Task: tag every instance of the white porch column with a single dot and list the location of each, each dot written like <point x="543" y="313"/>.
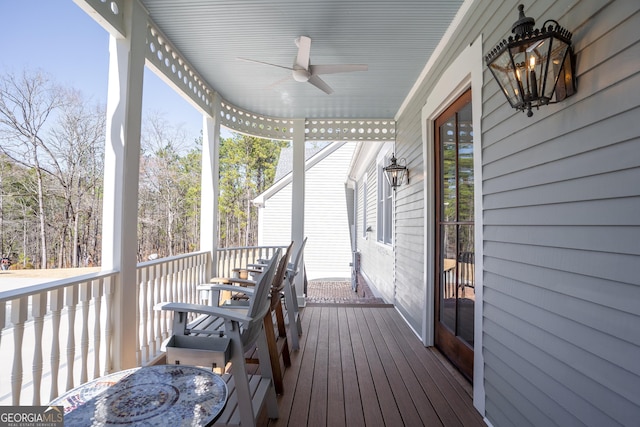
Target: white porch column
<point x="210" y="183"/>
<point x="121" y="165"/>
<point x="297" y="199"/>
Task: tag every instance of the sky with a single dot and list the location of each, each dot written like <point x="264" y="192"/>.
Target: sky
<point x="59" y="38"/>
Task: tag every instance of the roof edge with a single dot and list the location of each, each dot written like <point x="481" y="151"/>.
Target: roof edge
<point x="309" y="163"/>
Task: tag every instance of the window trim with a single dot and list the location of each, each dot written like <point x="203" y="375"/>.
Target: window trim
<point x="384" y="199"/>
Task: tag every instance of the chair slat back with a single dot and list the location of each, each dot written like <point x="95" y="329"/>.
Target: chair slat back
<point x="262" y="288"/>
<point x="295" y="266"/>
<point x="259" y="305"/>
<point x="278" y="279"/>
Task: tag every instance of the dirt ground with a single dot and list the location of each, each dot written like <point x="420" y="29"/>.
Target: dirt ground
<point x="17" y="279"/>
<point x="51" y="273"/>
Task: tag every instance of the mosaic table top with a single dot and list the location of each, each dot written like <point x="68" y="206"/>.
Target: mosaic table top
<point x="163" y="395"/>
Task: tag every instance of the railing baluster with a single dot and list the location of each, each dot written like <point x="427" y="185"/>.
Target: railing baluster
<point x="18" y="317"/>
<point x="57" y="302"/>
<point x="38" y="310"/>
<point x="85" y="297"/>
<point x="3" y="317"/>
<point x="110" y="290"/>
<point x="184" y="276"/>
<point x="166" y="297"/>
<point x="98" y="290"/>
<point x="144" y="315"/>
<point x="71" y="303"/>
<point x="153" y="298"/>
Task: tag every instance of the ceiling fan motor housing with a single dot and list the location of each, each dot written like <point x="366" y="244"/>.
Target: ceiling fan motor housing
<point x="301" y="75"/>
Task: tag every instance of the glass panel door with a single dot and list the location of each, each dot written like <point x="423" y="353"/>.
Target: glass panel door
<point x="455" y="261"/>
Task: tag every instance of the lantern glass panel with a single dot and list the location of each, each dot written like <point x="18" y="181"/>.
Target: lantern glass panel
<point x="502" y="69"/>
<point x="528" y="68"/>
<point x="556" y="62"/>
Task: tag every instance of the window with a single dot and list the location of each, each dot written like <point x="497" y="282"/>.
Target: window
<point x="385" y="200"/>
<point x="364" y="207"/>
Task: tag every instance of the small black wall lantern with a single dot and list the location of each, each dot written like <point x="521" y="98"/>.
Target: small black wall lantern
<point x="396" y="172"/>
<point x="533" y="66"/>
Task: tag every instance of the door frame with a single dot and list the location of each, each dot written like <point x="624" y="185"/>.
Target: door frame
<point x="465" y="72"/>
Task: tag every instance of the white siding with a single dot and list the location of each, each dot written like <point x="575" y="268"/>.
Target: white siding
<point x="276" y="219"/>
<point x="328" y="250"/>
<point x="327" y="253"/>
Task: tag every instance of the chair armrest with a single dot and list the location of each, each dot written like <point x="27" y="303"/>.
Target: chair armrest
<point x="232" y="288"/>
<point x="208" y="310"/>
<point x="245" y="282"/>
<point x="256" y="268"/>
<point x="251" y="268"/>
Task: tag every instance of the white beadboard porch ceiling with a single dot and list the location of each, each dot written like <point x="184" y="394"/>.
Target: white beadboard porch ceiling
<point x="394" y="37"/>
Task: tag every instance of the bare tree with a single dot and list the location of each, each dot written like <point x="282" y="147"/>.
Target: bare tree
<point x="77" y="145"/>
<point x="160" y="173"/>
<point x="27" y="102"/>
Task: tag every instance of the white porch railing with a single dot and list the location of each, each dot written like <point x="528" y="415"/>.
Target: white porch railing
<point x="64" y="328"/>
<point x="230" y="258"/>
<point x="172" y="279"/>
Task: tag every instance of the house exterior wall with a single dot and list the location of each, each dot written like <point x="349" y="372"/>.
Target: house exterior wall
<point x="561" y="209"/>
<point x="275" y="219"/>
<point x="376" y="259"/>
<point x="327" y="253"/>
<point x="560" y="224"/>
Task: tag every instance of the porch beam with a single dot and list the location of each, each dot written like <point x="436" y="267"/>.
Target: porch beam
<point x="122" y="157"/>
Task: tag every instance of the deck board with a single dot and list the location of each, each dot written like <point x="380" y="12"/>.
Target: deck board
<point x="318" y="403"/>
<point x="335" y="387"/>
<point x="409" y="389"/>
<point x="363" y="366"/>
<point x="354" y="415"/>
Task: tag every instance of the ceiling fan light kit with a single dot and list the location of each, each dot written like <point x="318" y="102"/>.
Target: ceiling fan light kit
<point x="304" y="72"/>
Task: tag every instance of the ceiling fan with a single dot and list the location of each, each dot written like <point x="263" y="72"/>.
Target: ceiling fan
<point x="303" y="71"/>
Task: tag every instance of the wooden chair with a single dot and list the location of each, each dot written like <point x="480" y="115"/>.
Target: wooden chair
<point x="241" y="330"/>
<point x="278" y="346"/>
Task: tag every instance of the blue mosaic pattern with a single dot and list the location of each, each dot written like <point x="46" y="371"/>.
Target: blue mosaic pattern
<point x="174" y="395"/>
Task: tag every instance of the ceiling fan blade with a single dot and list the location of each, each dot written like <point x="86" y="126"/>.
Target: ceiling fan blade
<point x="278" y="82"/>
<point x="320" y="84"/>
<point x="304" y="52"/>
<point x="337" y="68"/>
<point x="263" y="63"/>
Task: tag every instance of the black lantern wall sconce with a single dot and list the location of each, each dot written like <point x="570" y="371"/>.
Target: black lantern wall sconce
<point x="396" y="172"/>
<point x="534" y="67"/>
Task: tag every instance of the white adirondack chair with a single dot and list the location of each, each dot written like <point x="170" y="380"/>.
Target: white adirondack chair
<point x="290" y="295"/>
<point x="242" y="329"/>
<point x="246" y="289"/>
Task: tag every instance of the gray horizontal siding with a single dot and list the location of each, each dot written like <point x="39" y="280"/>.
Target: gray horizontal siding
<point x="409" y="232"/>
<point x="561" y="236"/>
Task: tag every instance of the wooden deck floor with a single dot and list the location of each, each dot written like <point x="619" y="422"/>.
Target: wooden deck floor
<point x="362" y="366"/>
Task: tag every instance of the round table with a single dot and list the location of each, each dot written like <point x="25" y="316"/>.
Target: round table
<point x="171" y="395"/>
